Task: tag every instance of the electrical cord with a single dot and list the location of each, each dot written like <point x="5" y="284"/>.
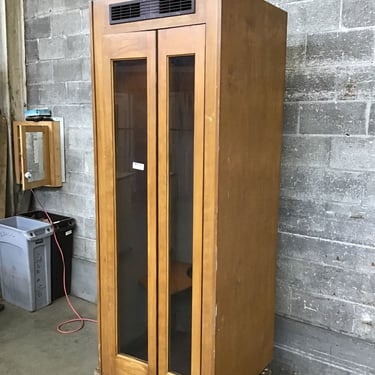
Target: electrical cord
<point x="78" y="318"/>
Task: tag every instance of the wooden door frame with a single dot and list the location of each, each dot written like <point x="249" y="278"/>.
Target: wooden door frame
<point x="187" y="40"/>
<point x="118" y="47"/>
<point x="23" y="129"/>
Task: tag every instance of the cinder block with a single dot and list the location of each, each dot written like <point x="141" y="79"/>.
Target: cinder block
<point x="323" y="311"/>
<point x="67" y="70"/>
<point x="89" y="163"/>
<point x="351" y="223"/>
<point x="283" y="298"/>
<point x="90" y="232"/>
<point x="74" y="161"/>
<point x="334" y="253"/>
<point x="79" y="230"/>
<point x="317" y="16"/>
<point x="67" y="23"/>
<point x="36" y="28"/>
<point x="291" y="116"/>
<point x="358" y="13"/>
<point x="333" y="118"/>
<point x="371" y="127"/>
<point x="73" y="203"/>
<point x="363" y="322"/>
<point x="344" y="47"/>
<point x="310" y="84"/>
<point x="345" y="187"/>
<point x="39" y="8"/>
<point x="356" y="225"/>
<point x="52" y="93"/>
<point x="84" y="279"/>
<point x="80" y="139"/>
<point x="50" y="199"/>
<point x="40" y="72"/>
<point x="308" y="349"/>
<point x="31" y="51"/>
<point x="294" y="361"/>
<point x="307" y="277"/>
<point x="78" y="46"/>
<point x="29" y="8"/>
<point x="50" y="49"/>
<point x="86" y="69"/>
<point x="75" y="115"/>
<point x="296" y="50"/>
<point x="77" y="182"/>
<point x="79" y="92"/>
<point x="355" y="83"/>
<point x="356" y="154"/>
<point x="85" y="21"/>
<point x="305" y="183"/>
<point x="33" y="95"/>
<point x="90" y="206"/>
<point x="307" y="151"/>
<point x="75" y="4"/>
<point x="320" y="184"/>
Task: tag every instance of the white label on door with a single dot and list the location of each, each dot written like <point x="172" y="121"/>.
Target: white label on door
<point x="138" y="166"/>
<point x="68" y="232"/>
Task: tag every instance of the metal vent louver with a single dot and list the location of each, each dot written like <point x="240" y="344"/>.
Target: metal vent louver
<point x="135" y="10"/>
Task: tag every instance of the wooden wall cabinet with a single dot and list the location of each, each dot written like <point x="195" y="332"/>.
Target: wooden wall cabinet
<point x="37" y="153"/>
<point x="188" y="123"/>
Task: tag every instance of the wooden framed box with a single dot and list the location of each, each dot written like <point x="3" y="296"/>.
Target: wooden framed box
<point x="37" y="153"/>
<point x="188" y="122"/>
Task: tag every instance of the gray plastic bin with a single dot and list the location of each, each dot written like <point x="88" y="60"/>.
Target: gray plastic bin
<point x="25" y="271"/>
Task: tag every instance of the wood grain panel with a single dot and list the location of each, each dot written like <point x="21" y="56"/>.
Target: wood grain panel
<point x="211" y="150"/>
<point x="200" y="16"/>
<point x="251" y="107"/>
<point x="53" y="155"/>
<point x="3" y="164"/>
<point x="107" y="49"/>
<point x="173" y="42"/>
<point x="24" y="129"/>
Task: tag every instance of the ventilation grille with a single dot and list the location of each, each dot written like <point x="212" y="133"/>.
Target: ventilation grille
<point x="131" y="11"/>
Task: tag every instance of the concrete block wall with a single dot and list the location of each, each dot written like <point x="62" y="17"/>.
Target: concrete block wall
<point x="59" y="77"/>
<point x="326" y="265"/>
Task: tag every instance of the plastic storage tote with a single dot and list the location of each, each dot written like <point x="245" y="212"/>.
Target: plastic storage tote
<point x="63" y="227"/>
<point x="25" y="271"/>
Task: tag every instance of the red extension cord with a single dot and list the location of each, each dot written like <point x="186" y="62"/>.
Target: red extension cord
<point x="78" y="318"/>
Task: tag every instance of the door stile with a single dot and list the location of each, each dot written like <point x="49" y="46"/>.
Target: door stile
<point x="116" y="48"/>
<point x="163" y="211"/>
<point x="171" y="43"/>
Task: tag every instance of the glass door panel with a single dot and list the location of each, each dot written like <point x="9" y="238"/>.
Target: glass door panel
<point x="130" y="109"/>
<point x="180" y="191"/>
<point x="125" y="90"/>
<point x="181" y="164"/>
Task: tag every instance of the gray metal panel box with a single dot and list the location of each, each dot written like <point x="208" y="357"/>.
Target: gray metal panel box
<point x="25" y="272"/>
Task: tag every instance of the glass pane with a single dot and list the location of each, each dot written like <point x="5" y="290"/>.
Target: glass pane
<point x="181" y="161"/>
<point x="130" y="84"/>
<point x="34" y="156"/>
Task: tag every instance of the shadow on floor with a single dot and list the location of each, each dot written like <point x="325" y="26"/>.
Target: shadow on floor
<point x="29" y="343"/>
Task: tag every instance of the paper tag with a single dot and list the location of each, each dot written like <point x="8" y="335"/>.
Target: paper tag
<point x="68" y="232"/>
<point x="138" y="166"/>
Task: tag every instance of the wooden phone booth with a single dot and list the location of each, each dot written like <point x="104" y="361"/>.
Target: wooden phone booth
<point x="188" y="112"/>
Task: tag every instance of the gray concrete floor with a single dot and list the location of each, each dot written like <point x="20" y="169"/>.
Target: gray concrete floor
<point x="29" y="343"/>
